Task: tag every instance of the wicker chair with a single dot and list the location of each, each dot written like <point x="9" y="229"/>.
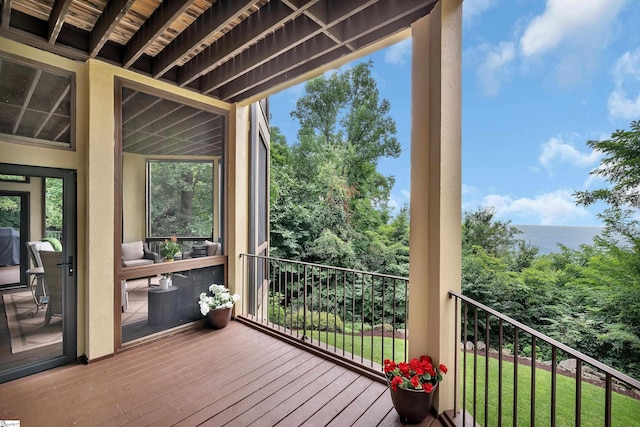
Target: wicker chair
<point x="53" y="283"/>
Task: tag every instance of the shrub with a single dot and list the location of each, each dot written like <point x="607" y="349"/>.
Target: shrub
<point x="275" y="312"/>
<point x="319" y="321"/>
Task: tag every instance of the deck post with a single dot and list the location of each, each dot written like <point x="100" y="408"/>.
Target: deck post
<point x="435" y="241"/>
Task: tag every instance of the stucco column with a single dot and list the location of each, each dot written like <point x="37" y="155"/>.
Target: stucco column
<point x="237" y="198"/>
<point x="435" y="249"/>
<point x="100" y="212"/>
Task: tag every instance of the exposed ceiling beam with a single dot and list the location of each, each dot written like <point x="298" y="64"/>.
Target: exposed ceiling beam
<point x="6" y="13"/>
<point x="158" y="22"/>
<point x="266" y="20"/>
<point x="108" y="21"/>
<point x="291" y="35"/>
<point x="210" y="22"/>
<point x="56" y="19"/>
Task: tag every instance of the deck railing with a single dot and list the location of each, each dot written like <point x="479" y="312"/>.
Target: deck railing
<point x="355" y="315"/>
<point x="498" y="390"/>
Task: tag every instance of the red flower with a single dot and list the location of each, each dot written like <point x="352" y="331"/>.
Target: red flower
<point x="415" y="381"/>
<point x="443" y="368"/>
<point x="395" y="382"/>
<point x="425" y="359"/>
<point x="389" y="365"/>
<point x="428" y="388"/>
<point x="404" y="368"/>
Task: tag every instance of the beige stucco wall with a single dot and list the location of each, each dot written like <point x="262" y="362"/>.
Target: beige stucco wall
<point x="60" y="158"/>
<point x="435" y="241"/>
<point x="94" y="160"/>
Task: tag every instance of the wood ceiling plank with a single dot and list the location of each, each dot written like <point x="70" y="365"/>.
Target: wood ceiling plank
<point x="266" y="20"/>
<point x="153" y="28"/>
<point x="214" y="20"/>
<point x="108" y="21"/>
<point x="294" y="33"/>
<point x="56" y="19"/>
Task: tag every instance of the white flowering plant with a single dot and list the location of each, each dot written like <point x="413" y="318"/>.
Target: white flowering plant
<point x="218" y="297"/>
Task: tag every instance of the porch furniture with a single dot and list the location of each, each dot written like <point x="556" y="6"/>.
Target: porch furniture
<point x="9" y="246"/>
<point x="53" y="282"/>
<point x="137" y="253"/>
<point x="163" y="306"/>
<point x="36" y="273"/>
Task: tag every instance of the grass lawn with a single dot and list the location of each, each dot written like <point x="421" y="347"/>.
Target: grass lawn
<point x="625" y="410"/>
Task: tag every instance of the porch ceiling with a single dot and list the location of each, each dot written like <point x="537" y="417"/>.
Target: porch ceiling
<point x="228" y="49"/>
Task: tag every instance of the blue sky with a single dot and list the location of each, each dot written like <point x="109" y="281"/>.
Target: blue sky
<point x="539" y="79"/>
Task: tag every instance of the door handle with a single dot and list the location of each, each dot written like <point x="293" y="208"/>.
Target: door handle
<point x="69" y="265"/>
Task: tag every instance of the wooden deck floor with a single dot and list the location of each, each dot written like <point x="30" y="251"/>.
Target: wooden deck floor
<point x="237" y="376"/>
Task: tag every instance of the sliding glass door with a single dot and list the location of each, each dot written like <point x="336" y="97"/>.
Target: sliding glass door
<point x="38" y="329"/>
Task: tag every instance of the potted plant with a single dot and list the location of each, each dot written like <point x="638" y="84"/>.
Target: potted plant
<point x="217" y="305"/>
<point x="170" y="248"/>
<point x="412" y="386"/>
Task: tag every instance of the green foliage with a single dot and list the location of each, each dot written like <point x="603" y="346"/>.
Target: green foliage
<point x="181" y="198"/>
<point x="53" y="203"/>
<point x="10" y="211"/>
<point x="275" y="311"/>
<point x="314" y="320"/>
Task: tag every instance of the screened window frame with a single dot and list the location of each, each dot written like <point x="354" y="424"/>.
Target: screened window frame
<point x="148" y="197"/>
<point x="39" y="142"/>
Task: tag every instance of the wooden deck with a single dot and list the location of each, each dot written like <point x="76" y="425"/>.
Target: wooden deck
<point x="237" y="376"/>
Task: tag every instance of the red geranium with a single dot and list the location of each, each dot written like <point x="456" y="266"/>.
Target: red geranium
<point x="418" y="374"/>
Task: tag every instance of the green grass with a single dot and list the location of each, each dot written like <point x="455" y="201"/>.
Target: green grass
<point x="625" y="410"/>
<point x="362" y="346"/>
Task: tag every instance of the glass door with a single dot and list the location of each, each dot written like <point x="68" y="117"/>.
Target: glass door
<point x="38" y="328"/>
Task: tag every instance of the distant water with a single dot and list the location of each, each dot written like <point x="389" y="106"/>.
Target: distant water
<point x="547" y="237"/>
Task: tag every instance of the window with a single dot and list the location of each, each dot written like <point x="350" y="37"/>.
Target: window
<point x="36" y="103"/>
<point x="180" y="198"/>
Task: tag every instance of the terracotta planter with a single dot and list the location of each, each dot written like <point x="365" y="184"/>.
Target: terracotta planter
<point x="219" y="318"/>
<point x="412" y="406"/>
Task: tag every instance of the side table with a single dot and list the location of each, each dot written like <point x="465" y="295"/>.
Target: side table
<point x="163" y="306"/>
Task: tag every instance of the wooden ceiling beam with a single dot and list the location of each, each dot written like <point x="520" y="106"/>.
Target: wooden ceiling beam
<point x="158" y="22"/>
<point x="53" y="109"/>
<point x="300" y="54"/>
<point x="56" y="19"/>
<point x="210" y="22"/>
<point x="266" y="20"/>
<point x="108" y="21"/>
<point x="27" y="99"/>
<point x="291" y="35"/>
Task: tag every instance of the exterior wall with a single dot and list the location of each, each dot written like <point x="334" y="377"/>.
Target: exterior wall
<point x="238" y="198"/>
<point x="133" y="203"/>
<point x="60" y="158"/>
<point x="436" y="189"/>
<point x="94" y="160"/>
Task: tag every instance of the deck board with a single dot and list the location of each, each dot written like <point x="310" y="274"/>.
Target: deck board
<point x="236" y="376"/>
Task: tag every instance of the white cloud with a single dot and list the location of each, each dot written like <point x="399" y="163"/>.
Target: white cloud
<point x="471" y="9"/>
<point x="626" y="76"/>
<point x="554" y="208"/>
<point x="399" y="53"/>
<point x="581" y="23"/>
<point x="555" y="152"/>
<point x="495" y="66"/>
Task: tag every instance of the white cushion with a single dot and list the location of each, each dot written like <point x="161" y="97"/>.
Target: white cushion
<point x="213" y="248"/>
<point x="133" y="250"/>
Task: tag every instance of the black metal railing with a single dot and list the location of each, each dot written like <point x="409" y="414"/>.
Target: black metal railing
<point x="497" y="389"/>
<point x="356" y="315"/>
